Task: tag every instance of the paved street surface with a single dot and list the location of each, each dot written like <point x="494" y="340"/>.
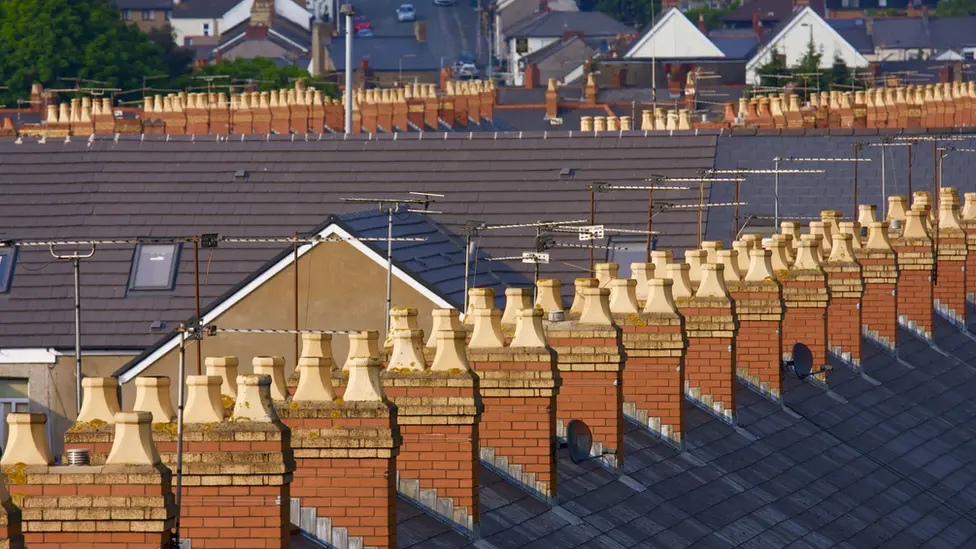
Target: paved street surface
<point x="450" y="30"/>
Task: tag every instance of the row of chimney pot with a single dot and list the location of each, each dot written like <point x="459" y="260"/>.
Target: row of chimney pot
<point x="330" y="447"/>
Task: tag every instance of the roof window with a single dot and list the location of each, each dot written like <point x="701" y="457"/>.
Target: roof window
<point x="8" y="258"/>
<point x="154" y="267"/>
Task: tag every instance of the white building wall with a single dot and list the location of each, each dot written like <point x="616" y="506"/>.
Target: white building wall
<point x="795" y="40"/>
<point x="535" y="44"/>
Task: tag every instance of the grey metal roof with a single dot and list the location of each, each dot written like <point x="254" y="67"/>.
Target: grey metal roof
<point x="554" y="24"/>
<point x="203" y="9"/>
<point x="883" y="459"/>
<point x="144" y="4"/>
<point x="146" y="186"/>
<point x="738" y="47"/>
<point x="923" y="32"/>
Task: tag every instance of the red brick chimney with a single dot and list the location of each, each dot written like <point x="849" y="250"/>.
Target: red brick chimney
<point x="701" y="24"/>
<point x="846" y="289"/>
<point x="552" y="99"/>
<point x="757" y="26"/>
<point x="879" y="269"/>
<point x="805" y="294"/>
<point x="759" y="310"/>
<point x="950" y="282"/>
<point x="916" y="268"/>
<point x="531" y="77"/>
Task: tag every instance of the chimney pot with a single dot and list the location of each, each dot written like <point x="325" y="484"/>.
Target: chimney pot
<point x="623" y="296"/>
<point x="133" y="443"/>
<point x="224" y="367"/>
<point x="548" y="294"/>
<point x="203" y="404"/>
<point x="100" y="399"/>
<point x="152" y="395"/>
<point x="516" y="299"/>
<point x="362" y="345"/>
<point x="26" y="440"/>
<point x="596" y="308"/>
<point x="528" y="329"/>
<point x="254" y="403"/>
<point x="450" y="354"/>
<point x="487" y="329"/>
<point x="274" y="368"/>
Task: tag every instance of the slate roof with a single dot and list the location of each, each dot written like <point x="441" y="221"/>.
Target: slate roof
<point x="144" y="4"/>
<point x="883" y="459"/>
<point x="857" y="37"/>
<point x="804" y="194"/>
<point x="769" y="11"/>
<point x="554" y="23"/>
<point x="921" y="32"/>
<point x="203" y="9"/>
<point x="145" y="186"/>
<point x="234" y="36"/>
<point x="736" y="47"/>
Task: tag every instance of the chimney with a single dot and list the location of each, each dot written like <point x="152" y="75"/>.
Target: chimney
<point x="711" y="331"/>
<point x="262" y="13"/>
<point x="321" y="38"/>
<point x="916" y="263"/>
<point x="516" y="299"/>
<point x="591" y="91"/>
<point x="579" y="297"/>
<point x="549" y="294"/>
<point x="701" y="24"/>
<point x="552" y="99"/>
<point x="440" y="403"/>
<point x="531" y="77"/>
<point x="880" y="275"/>
<point x="642" y="272"/>
<point x="153" y="396"/>
<point x="951" y="258"/>
<point x="591" y="375"/>
<point x="420" y="30"/>
<point x="140" y="486"/>
<point x="805" y="295"/>
<point x="655" y="346"/>
<point x="758" y="302"/>
<point x="520" y="380"/>
<point x="846" y="287"/>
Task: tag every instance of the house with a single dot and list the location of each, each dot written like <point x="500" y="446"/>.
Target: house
<point x="875" y="452"/>
<point x="792" y="37"/>
<point x="509" y="13"/>
<point x="544" y="28"/>
<point x="146" y="14"/>
<point x="388" y="60"/>
<point x="767" y="13"/>
<point x="204" y="21"/>
<point x="853" y="9"/>
<point x="903" y="39"/>
<point x="276" y="186"/>
<point x="562" y="60"/>
<point x="264" y="34"/>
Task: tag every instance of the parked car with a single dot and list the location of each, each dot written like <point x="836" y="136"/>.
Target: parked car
<point x="360" y="22"/>
<point x="463" y="71"/>
<point x="406" y="13"/>
<point x="444" y="2"/>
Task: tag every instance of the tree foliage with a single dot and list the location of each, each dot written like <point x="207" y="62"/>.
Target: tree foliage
<point x="631" y="12"/>
<point x="260" y="74"/>
<point x="808" y="75"/>
<point x="955" y="8"/>
<point x="47" y="40"/>
<point x="713" y="17"/>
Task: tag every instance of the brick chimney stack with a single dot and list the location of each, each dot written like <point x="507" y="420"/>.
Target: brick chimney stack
<point x="805" y="295"/>
<point x="759" y="310"/>
<point x="916" y="262"/>
<point x="552" y="99"/>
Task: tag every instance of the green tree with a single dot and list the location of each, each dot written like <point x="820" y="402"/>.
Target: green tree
<point x="261" y="73"/>
<point x="771" y="72"/>
<point x="44" y="40"/>
<point x="955" y="8"/>
<point x="840" y="74"/>
<point x="713" y="17"/>
<point x="631" y="12"/>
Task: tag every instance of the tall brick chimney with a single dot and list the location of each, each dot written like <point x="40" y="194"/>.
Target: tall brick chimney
<point x="552" y="99"/>
<point x="951" y="257"/>
<point x="846" y="287"/>
<point x="916" y="269"/>
<point x="759" y="310"/>
<point x="805" y="295"/>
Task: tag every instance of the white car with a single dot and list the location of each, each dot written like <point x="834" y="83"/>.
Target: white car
<point x="464" y="70"/>
<point x="406" y="13"/>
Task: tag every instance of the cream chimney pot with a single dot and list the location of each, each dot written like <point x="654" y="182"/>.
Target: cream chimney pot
<point x="854" y="230"/>
<point x="443" y="320"/>
<point x="254" y="403"/>
<point x="224" y="367"/>
<point x="742" y="249"/>
<point x="866" y="213"/>
<point x="678" y="273"/>
<point x="842" y="251"/>
<point x="26" y="440"/>
<point x="407" y="351"/>
<point x="362" y="345"/>
<point x="596" y="308"/>
<point x="623" y="296"/>
<point x="695" y="259"/>
<point x="364" y="380"/>
<point x="516" y="299"/>
<point x="713" y="281"/>
<point x="659" y="297"/>
<point x="273" y="367"/>
<point x="579" y="298"/>
<point x="100" y="399"/>
<point x="152" y="395"/>
<point x="605" y="272"/>
<point x="760" y="266"/>
<point x="878" y="236"/>
<point x="548" y="294"/>
<point x="528" y="329"/>
<point x="450" y="353"/>
<point x="133" y="443"/>
<point x="203" y="404"/>
<point x="729" y="259"/>
<point x="642" y="272"/>
<point x="487" y="329"/>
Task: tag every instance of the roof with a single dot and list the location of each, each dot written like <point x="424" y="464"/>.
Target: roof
<point x="179" y="186"/>
<point x="786" y="25"/>
<point x="555" y="48"/>
<point x="923" y="32"/>
<point x="554" y="24"/>
<point x="685" y="39"/>
<point x="144" y="4"/>
<point x="736" y="47"/>
<point x="203" y="9"/>
<point x="388" y="53"/>
<point x="767" y="10"/>
<point x="857" y="37"/>
<point x="282" y="32"/>
<point x="881" y="459"/>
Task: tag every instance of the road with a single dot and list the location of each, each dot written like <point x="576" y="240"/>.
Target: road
<point x="450" y="30"/>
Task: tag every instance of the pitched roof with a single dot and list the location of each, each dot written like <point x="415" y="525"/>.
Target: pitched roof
<point x="147" y="186"/>
<point x="686" y="40"/>
<point x="766" y="10"/>
<point x="144" y="4"/>
<point x="881" y="459"/>
<point x="736" y="47"/>
<point x="554" y="24"/>
<point x="388" y="53"/>
<point x="786" y="25"/>
<point x="203" y="9"/>
<point x="922" y="32"/>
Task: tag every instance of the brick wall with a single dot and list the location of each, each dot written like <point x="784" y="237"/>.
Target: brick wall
<point x="805" y="319"/>
<point x="518" y="424"/>
<point x="879" y="316"/>
<point x="846" y="287"/>
<point x="915" y="276"/>
<point x="759" y="340"/>
<point x="950" y="282"/>
<point x="710" y="358"/>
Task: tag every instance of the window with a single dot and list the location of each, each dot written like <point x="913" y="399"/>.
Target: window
<point x="13" y="398"/>
<point x="8" y="258"/>
<point x="634" y="251"/>
<point x="127" y="15"/>
<point x="154" y="267"/>
<point x="148" y="15"/>
<point x="206" y="29"/>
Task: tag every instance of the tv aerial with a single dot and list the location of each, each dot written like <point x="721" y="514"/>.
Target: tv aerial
<point x="801" y="365"/>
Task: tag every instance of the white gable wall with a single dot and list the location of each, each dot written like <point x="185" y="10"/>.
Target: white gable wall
<point x="794" y="40"/>
<point x="287" y="9"/>
<point x="674" y="37"/>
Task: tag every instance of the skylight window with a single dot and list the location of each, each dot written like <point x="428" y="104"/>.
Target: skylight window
<point x="8" y="258"/>
<point x="154" y="267"/>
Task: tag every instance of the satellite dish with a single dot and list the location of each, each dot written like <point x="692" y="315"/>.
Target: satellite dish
<point x="580" y="441"/>
<point x="802" y="360"/>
